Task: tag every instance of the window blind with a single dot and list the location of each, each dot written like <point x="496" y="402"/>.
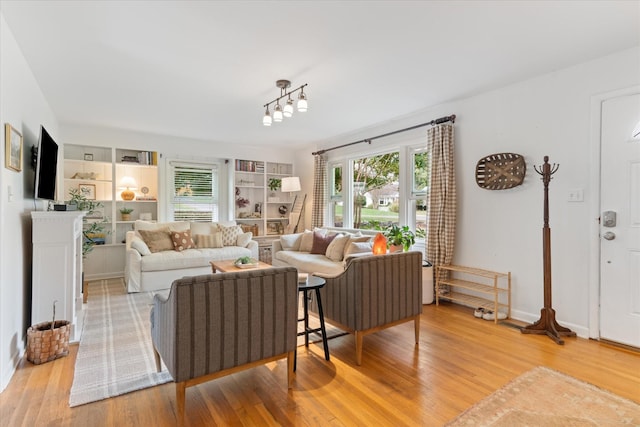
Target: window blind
<point x="195" y="192"/>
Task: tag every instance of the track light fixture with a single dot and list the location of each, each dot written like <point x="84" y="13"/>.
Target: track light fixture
<point x="280" y="112"/>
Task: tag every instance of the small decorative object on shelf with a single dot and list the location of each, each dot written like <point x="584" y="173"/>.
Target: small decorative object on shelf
<point x="126" y="213"/>
<point x="283" y="210"/>
<point x="85" y="175"/>
<point x="88" y="191"/>
<point x="145" y="195"/>
<point x="274" y="183"/>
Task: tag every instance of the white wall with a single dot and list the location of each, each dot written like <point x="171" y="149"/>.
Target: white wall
<point x="22" y="105"/>
<point x="502" y="230"/>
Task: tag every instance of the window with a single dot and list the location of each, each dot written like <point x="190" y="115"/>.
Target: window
<point x="376" y="191"/>
<point x="419" y="158"/>
<point x="381" y="190"/>
<point x="194" y="189"/>
<point x="335" y="196"/>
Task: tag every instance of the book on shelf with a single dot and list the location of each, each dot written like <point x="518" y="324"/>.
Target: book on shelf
<point x="142" y="158"/>
<point x="249" y="166"/>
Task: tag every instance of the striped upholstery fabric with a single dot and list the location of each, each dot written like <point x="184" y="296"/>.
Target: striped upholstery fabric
<point x="319" y="188"/>
<point x="210" y="323"/>
<point x="374" y="291"/>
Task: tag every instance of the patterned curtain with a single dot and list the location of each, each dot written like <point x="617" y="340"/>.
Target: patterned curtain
<point x="441" y="205"/>
<point x="319" y="191"/>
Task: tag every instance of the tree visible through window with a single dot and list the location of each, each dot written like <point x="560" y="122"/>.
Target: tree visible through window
<point x="420" y="188"/>
<point x="374" y="179"/>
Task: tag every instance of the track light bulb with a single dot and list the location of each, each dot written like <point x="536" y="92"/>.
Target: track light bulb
<point x="277" y="113"/>
<point x="302" y="102"/>
<point x="266" y="120"/>
<point x="288" y="109"/>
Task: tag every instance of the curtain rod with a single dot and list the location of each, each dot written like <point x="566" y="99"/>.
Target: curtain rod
<point x="451" y="118"/>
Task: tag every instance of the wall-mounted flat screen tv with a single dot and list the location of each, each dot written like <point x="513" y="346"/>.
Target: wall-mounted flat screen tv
<point x="46" y="166"/>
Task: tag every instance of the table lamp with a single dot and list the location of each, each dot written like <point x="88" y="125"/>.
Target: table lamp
<point x="127" y="183"/>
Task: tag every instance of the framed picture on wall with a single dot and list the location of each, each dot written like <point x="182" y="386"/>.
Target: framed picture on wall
<point x="88" y="191"/>
<point x="13" y="148"/>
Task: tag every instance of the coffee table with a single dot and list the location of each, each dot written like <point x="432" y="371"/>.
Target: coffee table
<point x="227" y="266"/>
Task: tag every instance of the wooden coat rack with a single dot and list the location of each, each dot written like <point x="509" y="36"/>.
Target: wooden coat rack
<point x="547" y="324"/>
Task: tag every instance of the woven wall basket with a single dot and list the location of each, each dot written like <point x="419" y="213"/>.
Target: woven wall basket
<point x="45" y="344"/>
<point x="500" y="171"/>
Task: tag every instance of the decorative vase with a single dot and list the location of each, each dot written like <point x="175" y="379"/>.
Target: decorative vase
<point x="396" y="248"/>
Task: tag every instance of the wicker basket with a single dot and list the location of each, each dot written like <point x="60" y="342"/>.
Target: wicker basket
<point x="45" y="344"/>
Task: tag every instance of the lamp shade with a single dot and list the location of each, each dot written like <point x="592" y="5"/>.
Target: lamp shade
<point x="277" y="113"/>
<point x="266" y="119"/>
<point x="128" y="182"/>
<point x="302" y="102"/>
<point x="290" y="183"/>
<point x="288" y="108"/>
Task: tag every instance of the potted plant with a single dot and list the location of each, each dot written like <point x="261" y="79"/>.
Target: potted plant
<point x="90" y="229"/>
<point x="126" y="213"/>
<point x="399" y="237"/>
<point x="274" y="183"/>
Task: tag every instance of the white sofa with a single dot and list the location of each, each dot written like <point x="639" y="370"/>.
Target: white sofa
<point x="297" y="250"/>
<point x="147" y="270"/>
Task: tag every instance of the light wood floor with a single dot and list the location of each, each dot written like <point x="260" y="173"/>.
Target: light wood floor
<point x="459" y="361"/>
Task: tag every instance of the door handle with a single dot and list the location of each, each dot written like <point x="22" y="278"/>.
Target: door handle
<point x="609" y="235"/>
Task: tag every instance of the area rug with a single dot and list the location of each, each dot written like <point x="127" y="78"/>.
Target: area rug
<point x="544" y="397"/>
<point x="115" y="355"/>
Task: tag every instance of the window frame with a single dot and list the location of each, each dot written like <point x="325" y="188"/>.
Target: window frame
<point x="407" y="147"/>
<point x="214" y="200"/>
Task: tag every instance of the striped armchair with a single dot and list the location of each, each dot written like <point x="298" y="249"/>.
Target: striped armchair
<point x="218" y="324"/>
<point x="374" y="293"/>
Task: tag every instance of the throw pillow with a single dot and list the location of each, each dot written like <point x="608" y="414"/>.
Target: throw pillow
<point x="306" y="241"/>
<point x="230" y="234"/>
<point x="358" y="248"/>
<point x="209" y="240"/>
<point x="139" y="245"/>
<point x="182" y="240"/>
<point x="355" y="239"/>
<point x="291" y="242"/>
<point x="203" y="228"/>
<point x="157" y="240"/>
<point x="335" y="250"/>
<point x="244" y="239"/>
<point x="321" y="242"/>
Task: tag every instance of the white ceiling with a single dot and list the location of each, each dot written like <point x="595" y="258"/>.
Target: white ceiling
<point x="204" y="69"/>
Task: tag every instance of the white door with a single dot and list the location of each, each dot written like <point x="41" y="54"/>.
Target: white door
<point x="620" y="221"/>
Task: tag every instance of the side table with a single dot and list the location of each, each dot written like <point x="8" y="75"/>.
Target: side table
<point x="312" y="283"/>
